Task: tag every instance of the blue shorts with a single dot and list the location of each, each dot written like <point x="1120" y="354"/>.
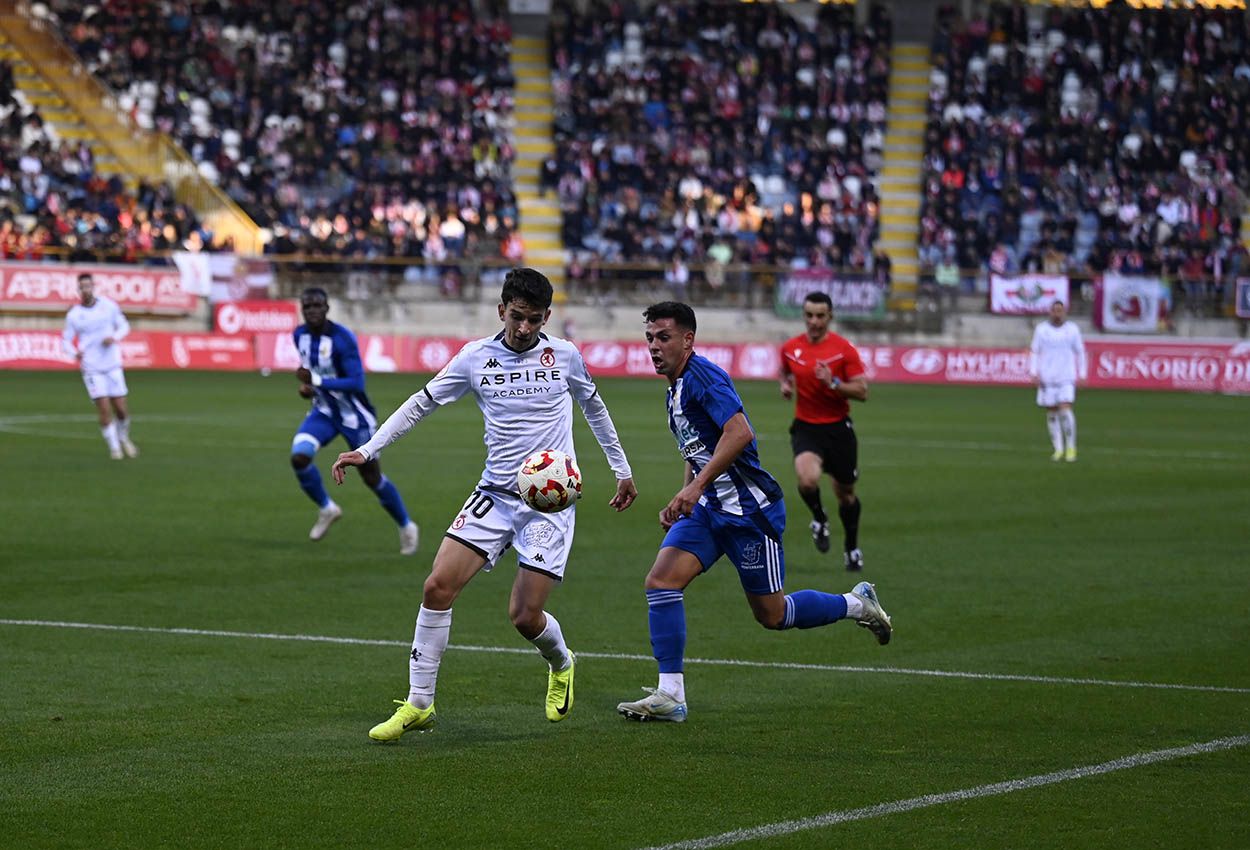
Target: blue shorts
<point x="321" y="429"/>
<point x="752" y="542"/>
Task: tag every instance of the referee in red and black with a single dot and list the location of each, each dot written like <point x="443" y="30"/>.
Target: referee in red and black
<point x="822" y="371"/>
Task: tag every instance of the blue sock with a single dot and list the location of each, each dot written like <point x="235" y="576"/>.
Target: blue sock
<point x="388" y="495"/>
<point x="807" y="609"/>
<point x="667" y="618"/>
<point x="310" y="482"/>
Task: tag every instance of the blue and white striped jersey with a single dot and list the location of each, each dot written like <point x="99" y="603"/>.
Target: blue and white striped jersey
<point x="699" y="405"/>
<point x="334" y="355"/>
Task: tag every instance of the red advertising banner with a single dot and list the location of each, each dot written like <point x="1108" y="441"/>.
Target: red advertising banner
<point x="255" y="317"/>
<point x="140" y="350"/>
<point x="54" y="286"/>
<point x="1113" y="364"/>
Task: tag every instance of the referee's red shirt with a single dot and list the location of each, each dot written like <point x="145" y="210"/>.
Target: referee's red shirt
<point x="814" y="401"/>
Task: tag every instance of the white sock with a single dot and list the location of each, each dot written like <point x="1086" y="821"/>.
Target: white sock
<point x="1068" y="419"/>
<point x="1056" y="431"/>
<point x="123" y="429"/>
<point x="674" y="684"/>
<point x="550" y="642"/>
<point x="110" y="436"/>
<point x="428" y="643"/>
<point x="854" y="607"/>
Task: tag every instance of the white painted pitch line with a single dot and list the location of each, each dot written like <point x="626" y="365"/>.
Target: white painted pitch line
<point x="776" y="830"/>
<point x="624" y="656"/>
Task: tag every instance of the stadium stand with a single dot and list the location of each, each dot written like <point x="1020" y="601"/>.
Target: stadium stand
<point x="1082" y="140"/>
<point x="55" y="203"/>
<point x="366" y="129"/>
<point x="696" y="135"/>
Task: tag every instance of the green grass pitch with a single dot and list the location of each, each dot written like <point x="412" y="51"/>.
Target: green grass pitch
<point x="1077" y="586"/>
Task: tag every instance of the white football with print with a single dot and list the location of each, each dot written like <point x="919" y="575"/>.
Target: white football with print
<point x="549" y="481"/>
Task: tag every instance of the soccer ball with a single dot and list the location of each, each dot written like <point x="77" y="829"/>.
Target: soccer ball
<point x="549" y="481"/>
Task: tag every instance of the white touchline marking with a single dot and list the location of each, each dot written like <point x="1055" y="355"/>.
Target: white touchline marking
<point x="625" y="656"/>
<point x="775" y="830"/>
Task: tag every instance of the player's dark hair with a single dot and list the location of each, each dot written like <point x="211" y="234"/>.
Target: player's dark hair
<point x="86" y="275"/>
<point x="528" y="285"/>
<point x="315" y="290"/>
<point x="681" y="314"/>
<point x="819" y="298"/>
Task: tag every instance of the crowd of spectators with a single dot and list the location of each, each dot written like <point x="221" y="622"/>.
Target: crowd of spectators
<point x="371" y="128"/>
<point x="693" y="134"/>
<point x="54" y="203"/>
<point x="1079" y="141"/>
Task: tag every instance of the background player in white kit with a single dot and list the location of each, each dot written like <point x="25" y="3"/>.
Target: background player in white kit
<point x="1057" y="362"/>
<point x="93" y="329"/>
<point x="524" y="382"/>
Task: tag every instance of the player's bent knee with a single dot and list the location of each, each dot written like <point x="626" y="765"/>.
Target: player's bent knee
<point x="527" y="619"/>
<point x="769" y="619"/>
<point x="656" y="581"/>
<point x="437" y="595"/>
<point x="300" y="461"/>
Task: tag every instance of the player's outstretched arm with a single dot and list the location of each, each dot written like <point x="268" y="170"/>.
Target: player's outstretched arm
<point x="345" y="460"/>
<point x="626" y="492"/>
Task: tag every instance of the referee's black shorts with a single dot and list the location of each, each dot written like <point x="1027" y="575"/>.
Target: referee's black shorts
<point x="834" y="442"/>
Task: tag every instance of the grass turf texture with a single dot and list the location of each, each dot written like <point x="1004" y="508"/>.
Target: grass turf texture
<point x="1129" y="565"/>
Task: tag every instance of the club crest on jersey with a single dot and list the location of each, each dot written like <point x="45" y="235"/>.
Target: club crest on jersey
<point x="548" y="357"/>
<point x="540" y="534"/>
<point x="751" y="556"/>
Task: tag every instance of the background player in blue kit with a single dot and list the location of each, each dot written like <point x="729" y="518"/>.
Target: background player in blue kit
<point x="728" y="506"/>
<point x="332" y="375"/>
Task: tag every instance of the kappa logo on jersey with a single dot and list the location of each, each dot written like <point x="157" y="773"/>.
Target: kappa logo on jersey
<point x="493" y="364"/>
<point x="540" y="559"/>
<point x="548" y="357"/>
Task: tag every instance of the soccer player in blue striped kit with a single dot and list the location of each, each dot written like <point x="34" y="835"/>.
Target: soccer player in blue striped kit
<point x="729" y="506"/>
<point x="332" y="375"/>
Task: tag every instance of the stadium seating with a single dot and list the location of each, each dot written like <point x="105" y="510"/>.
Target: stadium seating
<point x="365" y="130"/>
<point x="697" y="134"/>
<point x="1081" y="140"/>
<point x="55" y="204"/>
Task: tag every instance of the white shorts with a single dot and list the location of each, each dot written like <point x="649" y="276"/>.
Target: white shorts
<point x="492" y="520"/>
<point x="110" y="384"/>
<point x="1053" y="395"/>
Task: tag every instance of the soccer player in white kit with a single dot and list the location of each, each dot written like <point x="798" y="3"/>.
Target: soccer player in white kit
<point x="93" y="329"/>
<point x="524" y="382"/>
<point x="1057" y="362"/>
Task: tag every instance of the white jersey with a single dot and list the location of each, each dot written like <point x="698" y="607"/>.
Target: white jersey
<point x="89" y="327"/>
<point x="526" y="400"/>
<point x="1057" y="355"/>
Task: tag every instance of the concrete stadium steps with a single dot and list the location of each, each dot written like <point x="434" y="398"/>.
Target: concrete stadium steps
<point x="533" y="140"/>
<point x="899" y="181"/>
<point x="64" y="122"/>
